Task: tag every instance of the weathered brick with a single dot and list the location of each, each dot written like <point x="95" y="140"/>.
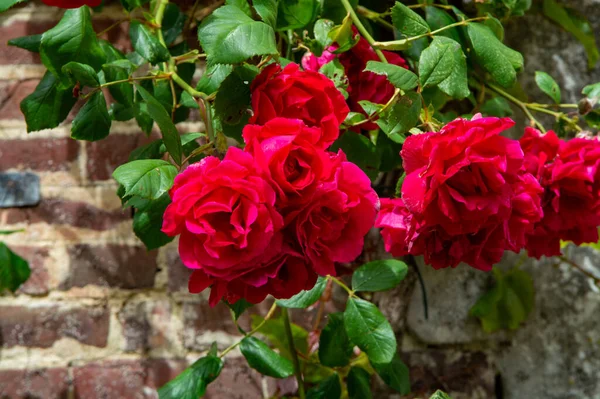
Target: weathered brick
<point x="106" y="155"/>
<point x="37" y="284"/>
<point x="238" y="381"/>
<point x="60" y="211"/>
<point x="124" y="378"/>
<point x="53" y="154"/>
<point x="50" y="383"/>
<point x="147" y="325"/>
<point x="199" y="317"/>
<point x="41" y="326"/>
<point x="14" y="55"/>
<point x="110" y="265"/>
<point x="11" y="95"/>
<point x="178" y="273"/>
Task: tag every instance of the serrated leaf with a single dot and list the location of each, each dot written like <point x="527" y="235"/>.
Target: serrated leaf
<point x="437" y="18"/>
<point x="213" y="77"/>
<point x="395" y="374"/>
<point x="497" y="59"/>
<point x="436" y="63"/>
<point x="368" y="329"/>
<point x="148" y="178"/>
<point x="146" y="43"/>
<point x="296" y="14"/>
<point x="72" y="39"/>
<point x="262" y="358"/>
<point x="359" y="384"/>
<point x="147" y="223"/>
<point x="81" y="73"/>
<point x="407" y="21"/>
<point x="548" y="85"/>
<point x="173" y="23"/>
<point x="379" y="275"/>
<point x="456" y="84"/>
<point x="330" y="388"/>
<point x="31" y="43"/>
<point x="400" y="77"/>
<point x="14" y="270"/>
<point x="335" y="348"/>
<point x="192" y="382"/>
<point x="233" y="98"/>
<point x="239" y="307"/>
<point x="305" y="298"/>
<point x="229" y="36"/>
<point x="401" y="117"/>
<point x="267" y="11"/>
<point x="92" y="122"/>
<point x="48" y="105"/>
<point x="171" y="138"/>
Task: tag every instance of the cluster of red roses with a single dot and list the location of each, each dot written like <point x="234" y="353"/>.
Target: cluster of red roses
<point x="269" y="219"/>
<point x="470" y="194"/>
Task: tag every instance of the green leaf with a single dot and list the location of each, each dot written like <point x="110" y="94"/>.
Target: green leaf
<point x="296" y="14"/>
<point x="335" y="11"/>
<point x="213" y="77"/>
<point x="321" y="29"/>
<point x="369" y="330"/>
<point x="130" y="5"/>
<point x="407" y="21"/>
<point x="330" y="388"/>
<point x="440" y="395"/>
<point x="267" y="11"/>
<point x="401" y="117"/>
<point x="188" y="101"/>
<point x="497" y="59"/>
<point x="147" y="223"/>
<point x="548" y="85"/>
<point x="143" y="119"/>
<point x="173" y="23"/>
<point x="274" y="330"/>
<point x="31" y="43"/>
<point x="233" y="98"/>
<point x="400" y="77"/>
<point x="185" y="140"/>
<point x="92" y="123"/>
<point x="497" y="106"/>
<point x="241" y="4"/>
<point x="239" y="307"/>
<point x="436" y="63"/>
<point x="14" y="270"/>
<point x="145" y="42"/>
<point x="359" y="150"/>
<point x="262" y="358"/>
<point x="335" y="348"/>
<point x="72" y="39"/>
<point x="117" y="68"/>
<point x="48" y="105"/>
<point x="147" y="178"/>
<point x="437" y="18"/>
<point x="395" y="374"/>
<point x="153" y="150"/>
<point x="84" y="74"/>
<point x="592" y="91"/>
<point x="6" y="4"/>
<point x="359" y="384"/>
<point x="379" y="275"/>
<point x="334" y="70"/>
<point x="171" y="138"/>
<point x="496" y="26"/>
<point x="575" y="25"/>
<point x="305" y="298"/>
<point x="192" y="382"/>
<point x="229" y="36"/>
<point x="456" y="84"/>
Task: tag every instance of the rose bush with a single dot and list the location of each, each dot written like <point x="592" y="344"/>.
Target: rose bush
<point x="72" y="3"/>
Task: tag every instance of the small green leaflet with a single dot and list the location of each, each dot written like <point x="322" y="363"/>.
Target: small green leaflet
<point x="147" y="223"/>
<point x="262" y="358"/>
<point x="548" y="85"/>
<point x="267" y="10"/>
<point x="400" y="77"/>
<point x="330" y="388"/>
<point x="239" y="307"/>
<point x="407" y="21"/>
<point x="296" y="14"/>
<point x="304" y="298"/>
<point x="213" y="77"/>
<point x="92" y="123"/>
<point x="146" y="43"/>
<point x="456" y="84"/>
<point x="81" y="73"/>
<point x="6" y="4"/>
<point x="335" y="348"/>
<point x="395" y="374"/>
<point x="359" y="384"/>
<point x="436" y="63"/>
<point x="147" y="178"/>
<point x="14" y="270"/>
<point x="401" y="117"/>
<point x="379" y="275"/>
<point x="192" y="383"/>
<point x="31" y="43"/>
<point x="440" y="395"/>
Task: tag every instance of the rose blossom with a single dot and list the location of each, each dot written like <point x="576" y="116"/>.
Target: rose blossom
<point x="72" y="3"/>
<point x="466" y="195"/>
<point x="331" y="226"/>
<point x="295" y="94"/>
<point x="569" y="171"/>
<point x="230" y="230"/>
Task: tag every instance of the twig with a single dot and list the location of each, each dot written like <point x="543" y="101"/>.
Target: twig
<point x="363" y="31"/>
<point x="293" y="352"/>
<point x="581" y="269"/>
<point x="254" y="331"/>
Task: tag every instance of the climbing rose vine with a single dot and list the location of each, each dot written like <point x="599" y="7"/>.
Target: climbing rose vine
<point x="323" y="121"/>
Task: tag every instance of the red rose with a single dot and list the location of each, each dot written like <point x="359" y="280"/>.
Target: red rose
<point x="295" y="94"/>
<point x="468" y="194"/>
<point x="289" y="150"/>
<point x="569" y="171"/>
<point x="331" y="226"/>
<point x="230" y="230"/>
<point x="72" y="3"/>
<point x="397" y="226"/>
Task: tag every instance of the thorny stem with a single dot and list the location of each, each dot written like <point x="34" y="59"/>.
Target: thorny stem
<point x="293" y="352"/>
<point x="395" y="44"/>
<point x="581" y="269"/>
<point x="254" y="331"/>
<point x="363" y="31"/>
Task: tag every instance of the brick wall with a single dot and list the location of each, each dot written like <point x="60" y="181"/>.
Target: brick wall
<point x="100" y="317"/>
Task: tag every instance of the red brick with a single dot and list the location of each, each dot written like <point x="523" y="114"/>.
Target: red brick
<point x="147" y="325"/>
<point x="50" y="383"/>
<point x="11" y="95"/>
<point x="59" y="211"/>
<point x="14" y="55"/>
<point x="52" y="155"/>
<point x="106" y="155"/>
<point x="37" y="283"/>
<point x="115" y="379"/>
<point x="41" y="326"/>
<point x="110" y="265"/>
<point x="178" y="273"/>
<point x="199" y="317"/>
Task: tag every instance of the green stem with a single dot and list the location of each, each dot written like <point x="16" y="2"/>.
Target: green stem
<point x="519" y="103"/>
<point x="341" y="284"/>
<point x="581" y="269"/>
<point x="183" y="84"/>
<point x="294" y="353"/>
<point x="361" y="28"/>
<point x="398" y="44"/>
<point x="210" y="134"/>
<point x="374" y="16"/>
<point x="254" y="331"/>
